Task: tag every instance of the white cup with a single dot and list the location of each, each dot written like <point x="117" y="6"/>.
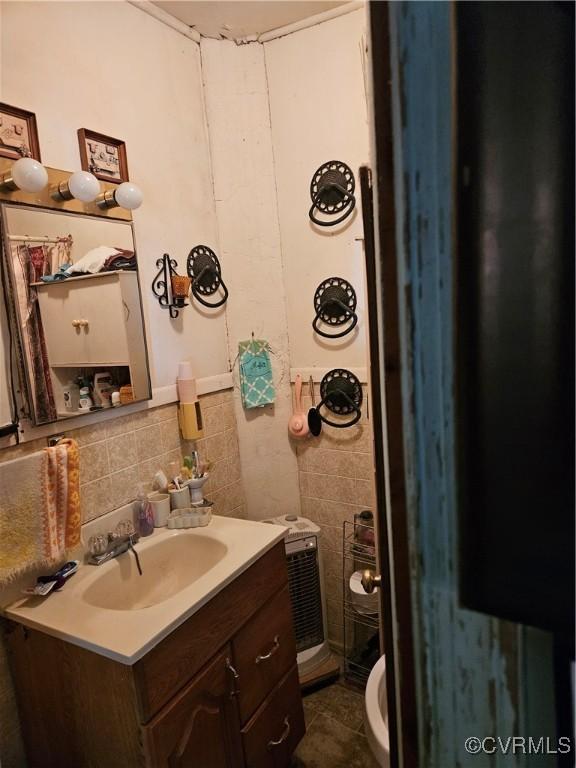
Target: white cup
<point x="187" y="390"/>
<point x="160" y="508"/>
<point x="179" y="499"/>
<point x="185" y="370"/>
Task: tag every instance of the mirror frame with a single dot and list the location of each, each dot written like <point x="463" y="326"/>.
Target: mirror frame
<point x="43" y="202"/>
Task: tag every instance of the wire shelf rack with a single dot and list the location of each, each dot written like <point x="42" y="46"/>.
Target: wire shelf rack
<point x="361" y="620"/>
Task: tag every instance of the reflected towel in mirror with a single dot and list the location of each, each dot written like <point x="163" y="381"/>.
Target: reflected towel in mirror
<point x="97" y="260"/>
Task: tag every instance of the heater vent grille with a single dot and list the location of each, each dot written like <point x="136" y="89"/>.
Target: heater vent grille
<point x="305" y="593"/>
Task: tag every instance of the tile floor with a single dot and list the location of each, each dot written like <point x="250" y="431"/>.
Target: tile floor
<point x="334" y="730"/>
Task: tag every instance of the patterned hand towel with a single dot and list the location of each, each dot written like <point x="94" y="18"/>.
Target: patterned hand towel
<point x="256" y="381"/>
<point x="61" y="496"/>
<point x="39" y="509"/>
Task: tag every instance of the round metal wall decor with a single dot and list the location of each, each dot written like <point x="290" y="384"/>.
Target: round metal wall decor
<point x="341" y="393"/>
<point x="335" y="305"/>
<point x="332" y="193"/>
<point x="204" y="269"/>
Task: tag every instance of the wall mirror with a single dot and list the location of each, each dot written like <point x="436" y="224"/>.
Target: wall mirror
<point x="75" y="313"/>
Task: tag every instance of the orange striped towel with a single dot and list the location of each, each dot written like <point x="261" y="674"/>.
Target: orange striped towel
<point x="39" y="509"/>
<point x="61" y="496"/>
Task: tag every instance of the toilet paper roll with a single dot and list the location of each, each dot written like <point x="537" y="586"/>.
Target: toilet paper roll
<point x="361" y="601"/>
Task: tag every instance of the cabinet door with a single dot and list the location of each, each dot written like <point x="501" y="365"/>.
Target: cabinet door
<point x="200" y="727"/>
<point x="96" y="301"/>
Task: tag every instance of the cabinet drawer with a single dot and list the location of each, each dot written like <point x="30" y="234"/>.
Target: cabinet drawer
<point x="273" y="733"/>
<point x="264" y="650"/>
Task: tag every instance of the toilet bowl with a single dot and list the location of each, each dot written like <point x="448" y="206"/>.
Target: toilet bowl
<point x="376" y="714"/>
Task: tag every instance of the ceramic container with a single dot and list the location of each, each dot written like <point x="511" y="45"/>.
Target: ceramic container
<point x="179" y="499"/>
<point x="194" y="517"/>
<point x="160" y="508"/>
<point x="195" y="486"/>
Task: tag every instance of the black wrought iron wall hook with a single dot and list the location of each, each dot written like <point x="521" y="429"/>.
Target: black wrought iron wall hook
<point x="341" y="393"/>
<point x="332" y="193"/>
<point x="204" y="269"/>
<point x="335" y="305"/>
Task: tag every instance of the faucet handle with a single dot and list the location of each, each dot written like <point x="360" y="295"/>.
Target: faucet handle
<point x="125" y="528"/>
<point x="98" y="544"/>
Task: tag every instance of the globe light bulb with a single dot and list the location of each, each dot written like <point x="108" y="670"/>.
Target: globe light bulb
<point x="128" y="196"/>
<point x="84" y="186"/>
<point x="29" y="175"/>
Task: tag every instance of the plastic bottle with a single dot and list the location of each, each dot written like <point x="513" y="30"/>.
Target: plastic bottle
<point x="85" y="401"/>
<point x="70" y="396"/>
<point x="145" y="513"/>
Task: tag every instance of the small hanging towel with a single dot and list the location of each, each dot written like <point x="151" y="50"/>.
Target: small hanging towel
<point x="39" y="509"/>
<point x="61" y="495"/>
<point x="256" y="381"/>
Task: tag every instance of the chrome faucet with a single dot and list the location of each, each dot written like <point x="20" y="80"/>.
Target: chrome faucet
<point x="105" y="547"/>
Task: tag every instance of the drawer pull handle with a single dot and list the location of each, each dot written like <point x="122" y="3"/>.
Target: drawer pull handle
<point x="235" y="677"/>
<point x="285" y="733"/>
<point x="271" y="652"/>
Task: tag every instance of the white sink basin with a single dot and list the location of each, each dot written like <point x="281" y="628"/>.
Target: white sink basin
<point x="168" y="566"/>
<point x="112" y="610"/>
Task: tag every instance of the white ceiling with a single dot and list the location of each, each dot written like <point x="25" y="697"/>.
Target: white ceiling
<point x="243" y="18"/>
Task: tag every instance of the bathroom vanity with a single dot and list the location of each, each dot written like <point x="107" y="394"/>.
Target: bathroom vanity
<point x="218" y="689"/>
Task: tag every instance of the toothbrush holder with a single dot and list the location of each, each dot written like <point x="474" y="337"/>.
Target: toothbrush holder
<point x="179" y="498"/>
<point x="195" y="486"/>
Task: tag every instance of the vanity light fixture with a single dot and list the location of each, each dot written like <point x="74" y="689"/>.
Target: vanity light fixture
<point x="82" y="185"/>
<point x="126" y="195"/>
<point x="26" y="174"/>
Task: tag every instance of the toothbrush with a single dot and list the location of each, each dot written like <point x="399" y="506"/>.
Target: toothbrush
<point x="45" y="584"/>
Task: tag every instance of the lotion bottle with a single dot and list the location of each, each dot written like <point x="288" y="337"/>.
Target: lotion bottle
<point x="145" y="513"/>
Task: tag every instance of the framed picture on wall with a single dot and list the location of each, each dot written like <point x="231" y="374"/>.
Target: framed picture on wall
<point x="18" y="133"/>
<point x="103" y="156"/>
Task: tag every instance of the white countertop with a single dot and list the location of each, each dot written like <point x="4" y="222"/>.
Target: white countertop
<point x="126" y="635"/>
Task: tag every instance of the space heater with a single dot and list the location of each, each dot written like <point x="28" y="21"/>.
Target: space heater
<point x="303" y="558"/>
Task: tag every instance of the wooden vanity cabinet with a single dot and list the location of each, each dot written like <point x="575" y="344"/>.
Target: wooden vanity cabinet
<point x="221" y="691"/>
